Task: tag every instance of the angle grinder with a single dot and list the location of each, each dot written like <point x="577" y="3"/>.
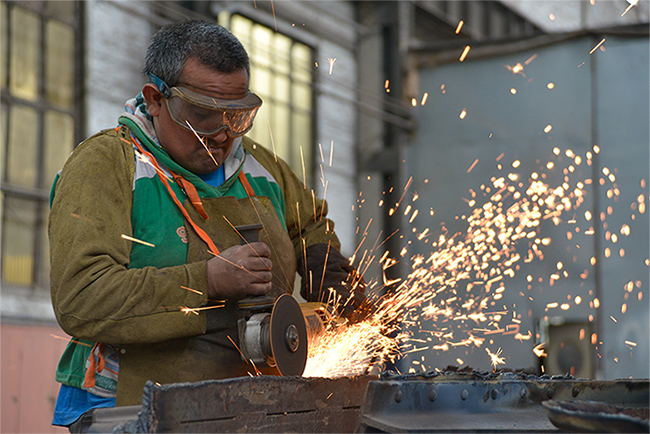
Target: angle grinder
<point x="272" y="333"/>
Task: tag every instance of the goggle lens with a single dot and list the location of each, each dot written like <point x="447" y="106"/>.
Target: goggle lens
<point x="207" y="121"/>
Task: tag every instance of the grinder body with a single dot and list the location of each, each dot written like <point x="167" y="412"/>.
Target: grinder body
<point x="272" y="333"/>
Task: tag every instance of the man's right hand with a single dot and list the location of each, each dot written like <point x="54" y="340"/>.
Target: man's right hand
<point x="240" y="271"/>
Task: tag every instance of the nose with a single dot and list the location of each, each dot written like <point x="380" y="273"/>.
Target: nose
<point x="219" y="136"/>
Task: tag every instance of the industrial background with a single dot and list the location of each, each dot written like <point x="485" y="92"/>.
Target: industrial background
<point x="374" y="103"/>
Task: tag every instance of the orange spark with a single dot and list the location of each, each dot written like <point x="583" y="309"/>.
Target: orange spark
<point x="193" y="290"/>
<point x="472" y="166"/>
<point x="495" y="359"/>
<point x="465" y="51"/>
<point x="596" y="47"/>
<point x="539" y="350"/>
<point x="77" y="216"/>
<point x="135" y="240"/>
<point x="74" y="341"/>
<point x="195" y="310"/>
<point x="202" y="140"/>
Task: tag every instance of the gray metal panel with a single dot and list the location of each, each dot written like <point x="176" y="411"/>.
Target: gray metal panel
<point x="482" y="405"/>
<point x="500" y="122"/>
<point x="622" y="76"/>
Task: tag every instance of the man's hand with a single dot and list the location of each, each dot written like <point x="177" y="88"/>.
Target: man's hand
<point x="340" y="277"/>
<point x="240" y="271"/>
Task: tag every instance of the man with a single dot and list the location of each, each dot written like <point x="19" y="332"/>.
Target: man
<point x="142" y="230"/>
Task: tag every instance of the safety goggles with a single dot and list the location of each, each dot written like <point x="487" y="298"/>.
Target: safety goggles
<point x="206" y="115"/>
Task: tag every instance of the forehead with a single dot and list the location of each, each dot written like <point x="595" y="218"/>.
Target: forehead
<point x="203" y="79"/>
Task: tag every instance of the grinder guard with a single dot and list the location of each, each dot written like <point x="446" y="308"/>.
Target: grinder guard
<point x="277" y="339"/>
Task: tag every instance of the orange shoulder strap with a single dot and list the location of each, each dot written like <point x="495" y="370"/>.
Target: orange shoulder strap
<point x="246" y="184"/>
<point x="191" y="192"/>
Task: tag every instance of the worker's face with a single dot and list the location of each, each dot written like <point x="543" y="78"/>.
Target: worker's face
<point x="183" y="145"/>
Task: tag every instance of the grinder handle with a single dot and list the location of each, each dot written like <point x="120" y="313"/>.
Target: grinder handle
<point x="251" y="234"/>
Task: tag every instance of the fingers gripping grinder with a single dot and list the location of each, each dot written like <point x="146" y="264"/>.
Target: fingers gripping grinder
<point x="272" y="333"/>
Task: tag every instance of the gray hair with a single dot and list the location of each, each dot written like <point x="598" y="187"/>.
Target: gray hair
<point x="211" y="44"/>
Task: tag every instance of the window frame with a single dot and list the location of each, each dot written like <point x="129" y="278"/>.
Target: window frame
<point x="294" y="157"/>
<point x="39" y="194"/>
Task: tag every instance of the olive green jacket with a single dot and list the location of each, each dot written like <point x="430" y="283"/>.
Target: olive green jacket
<point x="109" y="289"/>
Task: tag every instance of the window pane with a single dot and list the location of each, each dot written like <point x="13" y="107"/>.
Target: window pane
<point x="18" y="243"/>
<point x="301" y="138"/>
<point x="260" y="131"/>
<point x="282" y="86"/>
<point x="21" y="158"/>
<point x="241" y="27"/>
<point x="59" y="140"/>
<point x="302" y="61"/>
<point x="280" y="129"/>
<point x="262" y="48"/>
<point x="302" y="96"/>
<point x="281" y="50"/>
<point x="24" y="65"/>
<point x="3" y="148"/>
<point x="4" y="38"/>
<point x="59" y="57"/>
<point x="260" y="81"/>
<point x="281" y="73"/>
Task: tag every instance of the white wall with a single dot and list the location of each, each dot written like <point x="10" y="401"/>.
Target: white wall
<point x="117" y="35"/>
<point x="573" y="15"/>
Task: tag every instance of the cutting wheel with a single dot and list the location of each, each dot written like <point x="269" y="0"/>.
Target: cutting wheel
<point x="288" y="336"/>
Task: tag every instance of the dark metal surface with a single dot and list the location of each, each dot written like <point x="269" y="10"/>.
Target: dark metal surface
<point x="469" y="402"/>
<point x="253" y="404"/>
<point x="590" y="416"/>
<point x="482" y="403"/>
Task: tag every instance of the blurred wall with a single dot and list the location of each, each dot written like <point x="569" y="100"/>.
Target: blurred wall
<point x="487" y="119"/>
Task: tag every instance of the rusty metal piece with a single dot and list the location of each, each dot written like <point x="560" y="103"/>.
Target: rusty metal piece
<point x="250" y="404"/>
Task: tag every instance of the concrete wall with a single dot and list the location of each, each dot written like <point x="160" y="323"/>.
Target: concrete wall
<point x="30" y="354"/>
<point x="117" y="35"/>
<point x="574" y="15"/>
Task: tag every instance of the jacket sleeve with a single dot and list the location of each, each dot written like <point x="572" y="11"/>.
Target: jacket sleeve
<point x="94" y="293"/>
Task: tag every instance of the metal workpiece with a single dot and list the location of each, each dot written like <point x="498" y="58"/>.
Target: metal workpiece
<point x="472" y="403"/>
<point x="448" y="402"/>
<point x="247" y="404"/>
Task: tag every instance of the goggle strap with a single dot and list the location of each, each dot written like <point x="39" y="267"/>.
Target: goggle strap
<point x="162" y="86"/>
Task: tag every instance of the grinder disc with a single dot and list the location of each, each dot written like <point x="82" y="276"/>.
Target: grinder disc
<point x="288" y="336"/>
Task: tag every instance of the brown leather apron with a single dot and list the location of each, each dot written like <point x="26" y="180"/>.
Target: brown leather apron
<point x="212" y="355"/>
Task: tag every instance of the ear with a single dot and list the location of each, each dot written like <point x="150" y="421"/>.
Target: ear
<point x="154" y="99"/>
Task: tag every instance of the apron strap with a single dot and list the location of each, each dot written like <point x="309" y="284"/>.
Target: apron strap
<point x="191" y="192"/>
<point x="184" y="184"/>
<point x="246" y="184"/>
